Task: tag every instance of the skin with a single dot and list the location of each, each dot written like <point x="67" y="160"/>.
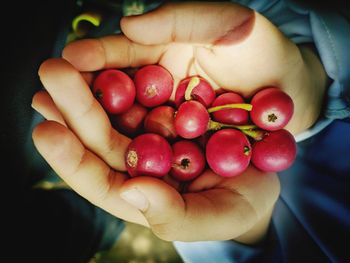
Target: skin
<point x="233" y="48"/>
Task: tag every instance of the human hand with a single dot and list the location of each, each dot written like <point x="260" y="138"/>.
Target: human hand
<point x="231" y="46"/>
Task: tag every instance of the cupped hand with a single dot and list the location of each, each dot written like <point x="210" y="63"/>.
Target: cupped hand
<point x="232" y="47"/>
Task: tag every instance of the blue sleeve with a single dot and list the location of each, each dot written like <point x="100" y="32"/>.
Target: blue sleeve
<point x="268" y="251"/>
<point x="330" y="33"/>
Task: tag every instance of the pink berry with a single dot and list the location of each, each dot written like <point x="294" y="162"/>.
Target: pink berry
<point x="188" y="161"/>
<point x="115" y="90"/>
<point x="154" y="85"/>
<point x="130" y="122"/>
<point x="228" y="152"/>
<point x="272" y="109"/>
<point x="160" y="120"/>
<point x="275" y="152"/>
<point x="148" y="154"/>
<point x="191" y="119"/>
<point x="230" y="116"/>
<point x="203" y="92"/>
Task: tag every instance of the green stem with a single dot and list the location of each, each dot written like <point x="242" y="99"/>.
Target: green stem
<point x="249" y="130"/>
<point x="256" y="134"/>
<point x="243" y="106"/>
<point x="191" y="85"/>
<point x="214" y="125"/>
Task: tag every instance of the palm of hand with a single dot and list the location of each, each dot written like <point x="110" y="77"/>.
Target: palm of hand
<point x="244" y="68"/>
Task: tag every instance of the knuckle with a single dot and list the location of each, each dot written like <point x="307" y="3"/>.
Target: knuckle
<point x="166" y="232"/>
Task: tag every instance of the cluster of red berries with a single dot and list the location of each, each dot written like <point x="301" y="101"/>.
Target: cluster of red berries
<point x="199" y="128"/>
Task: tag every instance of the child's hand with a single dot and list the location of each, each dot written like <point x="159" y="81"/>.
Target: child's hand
<point x="229" y="45"/>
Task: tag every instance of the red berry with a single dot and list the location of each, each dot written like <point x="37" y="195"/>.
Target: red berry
<point x="130" y="122"/>
<point x="230" y="116"/>
<point x="115" y="90"/>
<point x="148" y="154"/>
<point x="154" y="85"/>
<point x="228" y="152"/>
<point x="275" y="152"/>
<point x="188" y="161"/>
<point x="203" y="92"/>
<point x="272" y="109"/>
<point x="191" y="119"/>
<point x="160" y="120"/>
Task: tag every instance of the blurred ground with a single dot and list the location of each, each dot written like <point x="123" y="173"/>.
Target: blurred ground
<point x="138" y="244"/>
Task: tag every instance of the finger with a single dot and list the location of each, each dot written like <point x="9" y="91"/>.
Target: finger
<point x="246" y="63"/>
<point x="205" y="23"/>
<point x="205" y="181"/>
<point x="43" y="104"/>
<point x="82" y="112"/>
<point x="83" y="171"/>
<point x="110" y="52"/>
<point x="234" y="207"/>
<point x="160" y="203"/>
<point x="173" y="182"/>
<point x="173" y="217"/>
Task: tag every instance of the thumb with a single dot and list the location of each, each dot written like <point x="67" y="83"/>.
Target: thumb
<point x="189" y="217"/>
<point x="204" y="23"/>
<point x="160" y="203"/>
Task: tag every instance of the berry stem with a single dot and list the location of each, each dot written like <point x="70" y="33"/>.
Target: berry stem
<point x="243" y="106"/>
<point x="191" y="85"/>
<point x="214" y="125"/>
<point x="256" y="134"/>
<point x="249" y="130"/>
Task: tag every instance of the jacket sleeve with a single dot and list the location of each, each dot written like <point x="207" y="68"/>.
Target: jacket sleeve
<point x="267" y="251"/>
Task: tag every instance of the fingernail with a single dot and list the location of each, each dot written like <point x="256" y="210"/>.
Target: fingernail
<point x="135" y="198"/>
